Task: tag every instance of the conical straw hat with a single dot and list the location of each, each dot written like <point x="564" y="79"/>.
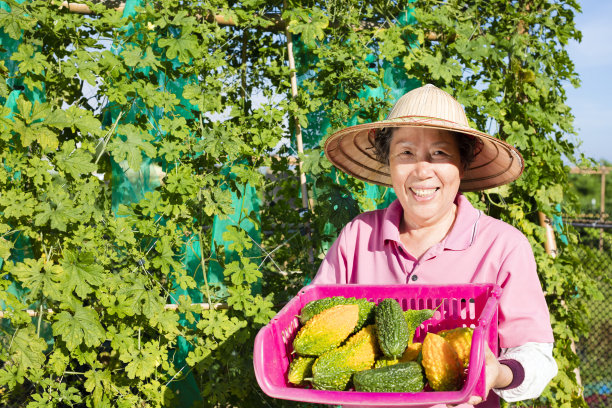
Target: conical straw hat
<point x="352" y="150"/>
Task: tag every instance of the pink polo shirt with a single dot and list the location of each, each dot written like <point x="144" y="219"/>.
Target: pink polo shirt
<point x="478" y="249"/>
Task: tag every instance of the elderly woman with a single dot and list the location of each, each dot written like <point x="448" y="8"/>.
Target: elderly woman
<point x="432" y="235"/>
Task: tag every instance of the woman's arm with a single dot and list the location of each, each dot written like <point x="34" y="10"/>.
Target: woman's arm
<point x="520" y="373"/>
<point x="538" y="367"/>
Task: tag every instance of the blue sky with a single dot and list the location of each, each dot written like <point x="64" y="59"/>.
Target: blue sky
<point x="592" y="102"/>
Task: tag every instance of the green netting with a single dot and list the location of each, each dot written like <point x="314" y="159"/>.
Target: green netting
<point x="394" y="83"/>
<point x="14" y="81"/>
<point x="130" y="186"/>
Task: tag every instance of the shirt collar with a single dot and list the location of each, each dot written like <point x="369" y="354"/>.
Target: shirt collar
<point x="460" y="236"/>
<point x="391" y="221"/>
<point x="463" y="230"/>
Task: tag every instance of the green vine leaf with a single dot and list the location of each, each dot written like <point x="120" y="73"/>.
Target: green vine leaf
<point x="82" y="327"/>
<point x="27" y="349"/>
<point x="84" y="274"/>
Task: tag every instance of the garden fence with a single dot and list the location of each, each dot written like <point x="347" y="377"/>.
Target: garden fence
<point x="595" y="348"/>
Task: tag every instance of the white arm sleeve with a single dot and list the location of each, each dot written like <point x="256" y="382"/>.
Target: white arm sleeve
<point x="539" y="365"/>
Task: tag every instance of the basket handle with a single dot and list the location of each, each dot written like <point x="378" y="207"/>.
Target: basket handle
<point x="478" y="351"/>
<point x="479" y="341"/>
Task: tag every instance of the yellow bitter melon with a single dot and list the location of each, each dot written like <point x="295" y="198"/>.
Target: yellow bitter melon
<point x="442" y="366"/>
<point x="460" y="340"/>
<point x="326" y="331"/>
<point x="299" y="369"/>
<point x="334" y="369"/>
<point x="411" y="353"/>
<point x="313" y="308"/>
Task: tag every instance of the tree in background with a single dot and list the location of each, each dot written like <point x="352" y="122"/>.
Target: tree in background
<point x="588" y="189"/>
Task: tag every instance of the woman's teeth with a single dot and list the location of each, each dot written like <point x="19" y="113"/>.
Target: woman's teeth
<point x="423" y="192"/>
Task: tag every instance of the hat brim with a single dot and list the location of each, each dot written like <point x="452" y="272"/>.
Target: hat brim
<point x="352" y="151"/>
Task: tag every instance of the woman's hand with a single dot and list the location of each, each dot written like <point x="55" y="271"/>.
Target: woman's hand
<point x="497" y="376"/>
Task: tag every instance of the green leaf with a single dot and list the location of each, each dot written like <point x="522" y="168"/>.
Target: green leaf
<point x="165" y="260"/>
<point x="82" y="327"/>
<point x="83" y="120"/>
<point x="309" y="24"/>
<point x="143" y="362"/>
<point x="240" y="274"/>
<point x="27" y="349"/>
<point x="29" y="60"/>
<point x="83" y="273"/>
<point x="184" y="47"/>
<point x="99" y="383"/>
<point x="166" y="321"/>
<point x="57" y="214"/>
<point x="137" y="298"/>
<point x="75" y="161"/>
<point x="5" y="248"/>
<point x="238" y="238"/>
<point x="38" y="276"/>
<point x="131" y="145"/>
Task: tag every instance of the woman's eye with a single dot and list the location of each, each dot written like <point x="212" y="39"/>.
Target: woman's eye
<point x="440" y="153"/>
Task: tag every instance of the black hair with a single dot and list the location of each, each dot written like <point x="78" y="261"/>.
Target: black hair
<point x="469" y="146"/>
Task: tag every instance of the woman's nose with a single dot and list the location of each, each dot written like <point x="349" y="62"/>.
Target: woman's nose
<point x="423" y="168"/>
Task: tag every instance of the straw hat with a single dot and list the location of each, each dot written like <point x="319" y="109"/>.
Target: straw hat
<point x="352" y="150"/>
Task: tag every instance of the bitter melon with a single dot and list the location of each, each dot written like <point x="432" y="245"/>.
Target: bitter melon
<point x="334" y="369"/>
<point x="391" y="328"/>
<point x="313" y="308"/>
<point x="326" y="331"/>
<point x="410" y="354"/>
<point x="299" y="369"/>
<point x="442" y="366"/>
<point x="460" y="340"/>
<point x="401" y="377"/>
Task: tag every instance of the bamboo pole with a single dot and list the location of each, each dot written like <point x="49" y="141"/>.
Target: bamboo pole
<point x="79" y="8"/>
<point x="551" y="244"/>
<point x="298" y="128"/>
<point x="306" y="203"/>
<point x="170" y="306"/>
<point x="277" y="23"/>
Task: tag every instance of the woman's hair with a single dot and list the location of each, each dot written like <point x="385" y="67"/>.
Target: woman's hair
<point x="469" y="146"/>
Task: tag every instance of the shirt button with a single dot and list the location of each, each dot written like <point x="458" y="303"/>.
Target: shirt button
<point x="414" y="277"/>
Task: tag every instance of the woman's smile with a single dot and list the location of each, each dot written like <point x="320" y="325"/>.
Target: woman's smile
<point x="424" y="193"/>
<point x="425" y="167"/>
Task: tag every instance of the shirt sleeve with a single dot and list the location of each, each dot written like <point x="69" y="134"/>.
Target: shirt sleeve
<point x="539" y="367"/>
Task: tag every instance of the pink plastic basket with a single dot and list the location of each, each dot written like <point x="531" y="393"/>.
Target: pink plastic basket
<point x="460" y="306"/>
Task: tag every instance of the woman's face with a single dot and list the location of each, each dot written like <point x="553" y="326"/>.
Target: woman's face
<point x="425" y="168"/>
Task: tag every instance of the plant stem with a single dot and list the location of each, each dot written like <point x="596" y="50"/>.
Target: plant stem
<point x="108" y="136"/>
<point x="202" y="265"/>
<point x="40" y="315"/>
